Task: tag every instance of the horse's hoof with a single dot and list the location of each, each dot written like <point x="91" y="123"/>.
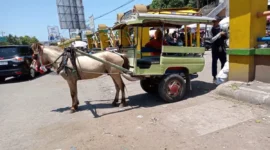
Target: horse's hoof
<point x="76" y="107"/>
<point x="123" y="105"/>
<point x="114" y="104"/>
<point x="72" y="110"/>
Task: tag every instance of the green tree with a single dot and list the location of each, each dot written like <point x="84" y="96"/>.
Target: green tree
<point x="23" y="40"/>
<point x="13" y="40"/>
<point x="156" y="4"/>
<point x="26" y="40"/>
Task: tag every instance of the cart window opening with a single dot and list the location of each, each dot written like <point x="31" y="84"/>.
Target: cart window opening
<point x="157" y="41"/>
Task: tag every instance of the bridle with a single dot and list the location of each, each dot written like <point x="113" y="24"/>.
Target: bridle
<point x="68" y="53"/>
<point x="40" y="57"/>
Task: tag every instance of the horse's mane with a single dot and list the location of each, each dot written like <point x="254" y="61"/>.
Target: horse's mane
<point x="37" y="47"/>
<point x="56" y="48"/>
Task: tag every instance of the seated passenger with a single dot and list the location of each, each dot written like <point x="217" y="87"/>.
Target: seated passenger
<point x="156" y="43"/>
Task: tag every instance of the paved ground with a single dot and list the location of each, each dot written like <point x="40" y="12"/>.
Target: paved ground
<point x="35" y="115"/>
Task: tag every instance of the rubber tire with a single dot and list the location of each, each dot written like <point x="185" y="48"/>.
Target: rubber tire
<point x="164" y="84"/>
<point x="148" y="86"/>
<point x="2" y="79"/>
<point x="188" y="84"/>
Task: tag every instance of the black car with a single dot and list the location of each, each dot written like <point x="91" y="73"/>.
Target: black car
<point x="15" y="61"/>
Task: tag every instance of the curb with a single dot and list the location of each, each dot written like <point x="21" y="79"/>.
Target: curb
<point x="242" y="92"/>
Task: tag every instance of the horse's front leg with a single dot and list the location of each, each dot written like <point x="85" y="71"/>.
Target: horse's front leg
<point x="74" y="94"/>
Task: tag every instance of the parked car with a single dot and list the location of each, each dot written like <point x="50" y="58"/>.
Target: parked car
<point x="15" y="61"/>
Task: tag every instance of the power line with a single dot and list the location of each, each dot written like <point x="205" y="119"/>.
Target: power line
<point x="114" y="9"/>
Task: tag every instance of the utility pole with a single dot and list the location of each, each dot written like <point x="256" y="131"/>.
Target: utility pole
<point x="198" y="3"/>
<point x="2" y="32"/>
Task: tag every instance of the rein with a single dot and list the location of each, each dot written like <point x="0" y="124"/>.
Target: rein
<point x="69" y="53"/>
<point x="55" y="60"/>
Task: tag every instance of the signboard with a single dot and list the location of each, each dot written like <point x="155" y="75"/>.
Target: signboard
<point x="73" y="35"/>
<point x="71" y="14"/>
<point x="126" y="15"/>
<point x="3" y="39"/>
<point x="92" y="24"/>
<point x="53" y="33"/>
<point x="73" y="30"/>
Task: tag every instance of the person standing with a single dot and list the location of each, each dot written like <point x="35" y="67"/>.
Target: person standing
<point x="217" y="39"/>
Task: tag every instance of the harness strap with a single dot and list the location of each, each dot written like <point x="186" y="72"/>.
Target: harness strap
<point x="69" y="53"/>
<point x="55" y="60"/>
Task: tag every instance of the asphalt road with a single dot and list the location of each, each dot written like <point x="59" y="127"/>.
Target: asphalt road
<point x="35" y="115"/>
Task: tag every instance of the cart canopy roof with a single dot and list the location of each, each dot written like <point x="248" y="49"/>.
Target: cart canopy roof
<point x="157" y="20"/>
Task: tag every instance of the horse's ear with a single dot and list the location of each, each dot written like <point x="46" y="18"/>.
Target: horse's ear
<point x="33" y="46"/>
<point x="36" y="47"/>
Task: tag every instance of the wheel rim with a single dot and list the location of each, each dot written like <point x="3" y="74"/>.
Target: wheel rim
<point x="174" y="88"/>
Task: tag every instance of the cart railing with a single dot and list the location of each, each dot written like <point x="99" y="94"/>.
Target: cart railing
<point x="176" y="49"/>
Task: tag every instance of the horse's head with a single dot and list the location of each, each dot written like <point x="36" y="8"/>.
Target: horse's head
<point x="38" y="50"/>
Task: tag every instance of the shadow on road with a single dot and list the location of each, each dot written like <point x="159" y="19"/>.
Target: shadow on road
<point x="93" y="108"/>
<point x="199" y="88"/>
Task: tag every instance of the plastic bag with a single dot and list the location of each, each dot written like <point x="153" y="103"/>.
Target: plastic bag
<point x="42" y="69"/>
<point x="223" y="74"/>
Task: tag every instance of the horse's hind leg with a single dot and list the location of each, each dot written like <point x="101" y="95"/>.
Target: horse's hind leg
<point x="121" y="86"/>
<point x="117" y="92"/>
<point x="123" y="100"/>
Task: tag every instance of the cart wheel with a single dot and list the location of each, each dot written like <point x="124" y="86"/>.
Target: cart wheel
<point x="172" y="88"/>
<point x="148" y="86"/>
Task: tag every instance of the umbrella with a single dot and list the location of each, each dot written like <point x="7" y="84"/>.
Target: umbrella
<point x="225" y="21"/>
<point x="194" y="26"/>
<point x="152" y="31"/>
<point x="201" y="26"/>
<point x="79" y="44"/>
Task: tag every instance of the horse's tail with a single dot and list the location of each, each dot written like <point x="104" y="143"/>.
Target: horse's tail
<point x="126" y="62"/>
<point x="130" y="78"/>
<point x="127" y="66"/>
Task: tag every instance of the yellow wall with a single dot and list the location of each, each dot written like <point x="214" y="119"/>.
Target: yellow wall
<point x="103" y="37"/>
<point x="90" y="41"/>
<point x="122" y="37"/>
<point x="143" y="37"/>
<point x="245" y="27"/>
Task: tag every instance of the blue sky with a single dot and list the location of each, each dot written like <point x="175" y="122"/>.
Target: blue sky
<point x="31" y="17"/>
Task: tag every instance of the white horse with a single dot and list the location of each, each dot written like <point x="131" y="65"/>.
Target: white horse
<point x="87" y="68"/>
